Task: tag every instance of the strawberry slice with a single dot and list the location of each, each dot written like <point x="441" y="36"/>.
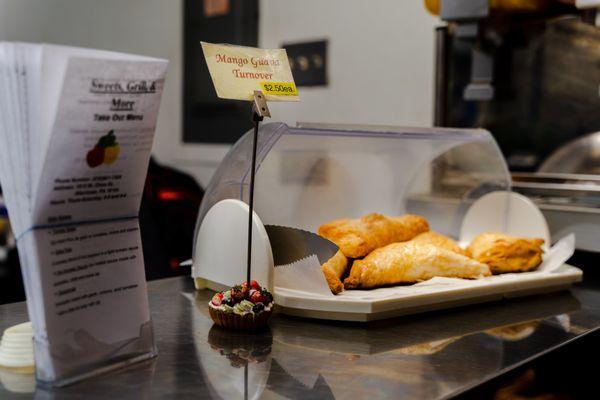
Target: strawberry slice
<point x="255" y="297"/>
<point x="258" y="297"/>
<point x="217" y="299"/>
<point x="254" y="285"/>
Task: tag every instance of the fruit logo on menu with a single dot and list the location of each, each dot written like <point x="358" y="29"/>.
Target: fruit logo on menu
<point x="106" y="151"/>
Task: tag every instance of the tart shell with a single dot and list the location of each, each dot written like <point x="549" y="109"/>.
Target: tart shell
<point x="240" y="322"/>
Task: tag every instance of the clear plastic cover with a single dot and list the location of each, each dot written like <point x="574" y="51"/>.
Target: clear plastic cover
<point x="311" y="174"/>
<point x="579" y="156"/>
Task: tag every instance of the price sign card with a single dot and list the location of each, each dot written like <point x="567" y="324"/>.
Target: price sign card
<point x="238" y="71"/>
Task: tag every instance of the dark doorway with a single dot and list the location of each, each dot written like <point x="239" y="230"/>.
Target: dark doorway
<point x="206" y="118"/>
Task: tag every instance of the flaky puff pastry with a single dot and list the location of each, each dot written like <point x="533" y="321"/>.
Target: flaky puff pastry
<point x="438" y="240"/>
<point x="409" y="263"/>
<point x="504" y="253"/>
<point x="333" y="270"/>
<point x="358" y="237"/>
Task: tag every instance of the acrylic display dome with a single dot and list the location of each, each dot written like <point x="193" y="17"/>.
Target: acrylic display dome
<point x="311" y="174"/>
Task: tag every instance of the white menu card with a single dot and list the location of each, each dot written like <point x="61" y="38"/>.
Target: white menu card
<point x="76" y="131"/>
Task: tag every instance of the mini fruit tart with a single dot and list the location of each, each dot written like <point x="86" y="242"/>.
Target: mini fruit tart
<point x="243" y="307"/>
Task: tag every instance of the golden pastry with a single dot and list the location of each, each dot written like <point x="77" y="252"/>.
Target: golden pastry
<point x="333" y="270"/>
<point x="429" y="348"/>
<point x="438" y="240"/>
<point x="505" y="253"/>
<point x="408" y="263"/>
<point x="358" y="237"/>
<point x="515" y="332"/>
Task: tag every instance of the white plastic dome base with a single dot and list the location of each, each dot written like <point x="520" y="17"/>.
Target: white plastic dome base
<point x="221" y="248"/>
<point x="508" y="212"/>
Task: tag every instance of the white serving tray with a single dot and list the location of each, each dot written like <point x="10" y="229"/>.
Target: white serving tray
<point x="434" y="294"/>
<point x="220" y="270"/>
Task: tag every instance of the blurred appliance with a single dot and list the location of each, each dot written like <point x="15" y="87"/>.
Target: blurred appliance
<point x="567" y="190"/>
<point x="167" y="220"/>
<point x="528" y="71"/>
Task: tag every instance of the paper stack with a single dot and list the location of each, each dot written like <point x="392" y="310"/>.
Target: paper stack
<point x="76" y="131"/>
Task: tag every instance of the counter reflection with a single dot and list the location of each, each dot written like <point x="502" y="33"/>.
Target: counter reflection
<point x="421" y="356"/>
<point x="416" y="356"/>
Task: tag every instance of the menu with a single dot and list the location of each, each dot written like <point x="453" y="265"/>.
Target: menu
<point x="76" y="131"/>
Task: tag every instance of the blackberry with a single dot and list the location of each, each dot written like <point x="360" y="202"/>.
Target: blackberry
<point x="258" y="307"/>
<point x="228" y="302"/>
<point x="267" y="294"/>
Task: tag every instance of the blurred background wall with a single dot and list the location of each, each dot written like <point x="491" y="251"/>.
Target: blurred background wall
<point x="380" y="57"/>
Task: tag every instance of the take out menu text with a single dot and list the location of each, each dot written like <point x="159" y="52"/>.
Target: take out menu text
<point x="76" y="131"/>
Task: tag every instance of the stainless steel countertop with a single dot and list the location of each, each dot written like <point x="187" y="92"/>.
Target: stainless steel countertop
<point x="426" y="356"/>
